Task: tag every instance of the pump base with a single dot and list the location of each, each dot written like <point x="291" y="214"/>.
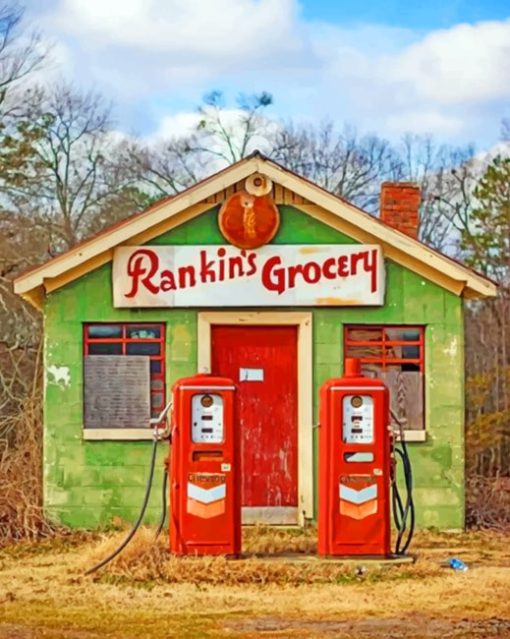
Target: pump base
<point x="205" y="551"/>
<point x="350" y="560"/>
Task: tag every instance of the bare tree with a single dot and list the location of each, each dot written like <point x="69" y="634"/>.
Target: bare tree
<point x="342" y="162"/>
<point x="231" y="134"/>
<point x="505" y="129"/>
<point x="20" y="52"/>
<point x="167" y="167"/>
<point x="221" y="136"/>
<point x="447" y="177"/>
<point x="78" y="176"/>
<point x="486" y="246"/>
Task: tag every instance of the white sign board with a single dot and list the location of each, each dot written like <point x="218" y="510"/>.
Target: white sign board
<point x="251" y="374"/>
<point x="286" y="275"/>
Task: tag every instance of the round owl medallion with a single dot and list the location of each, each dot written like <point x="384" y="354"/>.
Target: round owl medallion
<point x="248" y="221"/>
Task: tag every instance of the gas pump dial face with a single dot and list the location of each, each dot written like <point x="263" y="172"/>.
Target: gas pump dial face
<point x="358" y="419"/>
<point x="207" y="418"/>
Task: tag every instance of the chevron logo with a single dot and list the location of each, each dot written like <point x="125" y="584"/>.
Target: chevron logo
<point x="358" y="504"/>
<point x="206" y="502"/>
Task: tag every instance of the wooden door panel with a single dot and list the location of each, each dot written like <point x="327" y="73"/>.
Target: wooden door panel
<point x="265" y="358"/>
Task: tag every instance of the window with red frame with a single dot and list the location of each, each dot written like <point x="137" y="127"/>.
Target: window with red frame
<point x="394" y="354"/>
<point x="132" y="339"/>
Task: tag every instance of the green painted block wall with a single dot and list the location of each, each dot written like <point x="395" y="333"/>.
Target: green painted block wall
<point x="87" y="483"/>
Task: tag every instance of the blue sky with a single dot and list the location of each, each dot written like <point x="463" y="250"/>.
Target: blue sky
<point x="421" y="15"/>
<point x="388" y="67"/>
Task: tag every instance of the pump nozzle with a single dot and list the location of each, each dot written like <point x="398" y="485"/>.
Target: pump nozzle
<point x="162" y="433"/>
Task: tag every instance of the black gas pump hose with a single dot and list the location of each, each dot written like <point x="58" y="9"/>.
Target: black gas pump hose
<point x="164" y="498"/>
<point x="406" y="512"/>
<point x="137" y="523"/>
<point x="402" y="513"/>
<point x="410" y="500"/>
<point x="397" y="506"/>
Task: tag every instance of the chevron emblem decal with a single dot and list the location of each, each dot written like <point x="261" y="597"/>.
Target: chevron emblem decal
<point x="358" y="504"/>
<point x="206" y="494"/>
<point x="358" y="496"/>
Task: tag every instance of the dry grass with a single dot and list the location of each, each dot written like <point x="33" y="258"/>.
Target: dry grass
<point x="274" y="540"/>
<point x="146" y="560"/>
<point x="488" y="502"/>
<point x="21" y="513"/>
<point x="147" y="593"/>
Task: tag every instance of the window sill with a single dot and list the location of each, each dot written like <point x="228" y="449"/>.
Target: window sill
<point x="414" y="436"/>
<point x="146" y="434"/>
<point x="118" y="434"/>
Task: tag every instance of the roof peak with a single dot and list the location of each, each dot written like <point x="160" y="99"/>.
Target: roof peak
<point x="172" y="211"/>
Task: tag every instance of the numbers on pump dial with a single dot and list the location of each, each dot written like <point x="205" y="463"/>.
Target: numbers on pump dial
<point x="207" y="418"/>
<point x="358" y="419"/>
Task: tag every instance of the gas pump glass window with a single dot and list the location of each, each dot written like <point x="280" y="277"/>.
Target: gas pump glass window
<point x="358" y="419"/>
<point x="394" y="354"/>
<point x="133" y="339"/>
<point x="207" y="418"/>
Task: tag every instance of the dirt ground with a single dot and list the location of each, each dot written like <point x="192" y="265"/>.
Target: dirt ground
<point x="44" y="593"/>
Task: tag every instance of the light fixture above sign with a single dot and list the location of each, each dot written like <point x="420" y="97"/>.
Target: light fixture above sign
<point x="258" y="184"/>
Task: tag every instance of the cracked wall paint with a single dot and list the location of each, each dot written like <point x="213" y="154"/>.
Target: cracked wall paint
<point x="59" y="375"/>
<point x="451" y="349"/>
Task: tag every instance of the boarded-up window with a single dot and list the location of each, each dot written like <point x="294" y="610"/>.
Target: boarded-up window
<point x="394" y="354"/>
<point x="114" y="343"/>
<point x="116" y="392"/>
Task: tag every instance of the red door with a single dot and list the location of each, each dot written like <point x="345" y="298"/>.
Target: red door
<point x="262" y="360"/>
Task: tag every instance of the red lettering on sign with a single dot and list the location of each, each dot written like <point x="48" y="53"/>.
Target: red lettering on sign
<point x="343" y="266"/>
<point x="146" y="272"/>
<point x="279" y="278"/>
<point x="294" y="271"/>
<point x="189" y="272"/>
<point x="371" y="267"/>
<point x="142" y="265"/>
<point x="167" y="281"/>
<point x="206" y="268"/>
<point x="312" y="273"/>
<point x="328" y="268"/>
<point x="252" y="263"/>
<point x="235" y="264"/>
<point x="273" y="278"/>
<point x="221" y="255"/>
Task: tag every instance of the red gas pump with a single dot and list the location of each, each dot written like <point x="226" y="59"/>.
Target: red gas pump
<point x="204" y="468"/>
<point x="354" y="465"/>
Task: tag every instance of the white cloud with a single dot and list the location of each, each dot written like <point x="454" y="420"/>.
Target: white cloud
<point x="186" y="122"/>
<point x="58" y="63"/>
<point x="187" y="29"/>
<point x="467" y="63"/>
<point x="162" y="54"/>
<point x="179" y="124"/>
<point x="440" y="83"/>
<point x="423" y="121"/>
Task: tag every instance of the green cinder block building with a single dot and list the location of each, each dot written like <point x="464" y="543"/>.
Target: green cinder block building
<point x="260" y="275"/>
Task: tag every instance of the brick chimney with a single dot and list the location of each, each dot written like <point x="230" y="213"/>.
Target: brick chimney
<point x="400" y="203"/>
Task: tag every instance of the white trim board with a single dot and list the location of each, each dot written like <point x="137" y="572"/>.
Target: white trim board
<point x="118" y="434"/>
<point x="275" y="516"/>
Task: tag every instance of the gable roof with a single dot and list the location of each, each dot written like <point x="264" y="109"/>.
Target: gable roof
<point x="319" y="203"/>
